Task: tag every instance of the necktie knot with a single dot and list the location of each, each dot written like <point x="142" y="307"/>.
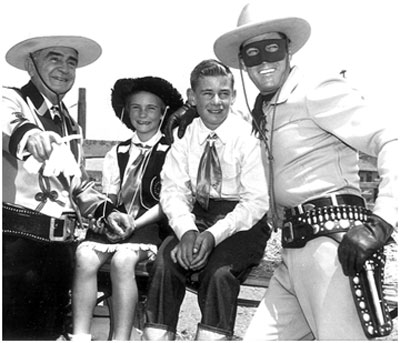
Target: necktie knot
<point x="55" y="110"/>
<point x="211" y="139"/>
<point x="142" y="147"/>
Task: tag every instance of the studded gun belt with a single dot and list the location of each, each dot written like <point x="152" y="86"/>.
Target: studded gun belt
<point x="321" y="217"/>
<point x="23" y="222"/>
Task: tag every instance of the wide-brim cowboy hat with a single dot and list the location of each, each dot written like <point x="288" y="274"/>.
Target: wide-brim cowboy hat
<point x="88" y="50"/>
<point x="252" y="23"/>
<point x="155" y="85"/>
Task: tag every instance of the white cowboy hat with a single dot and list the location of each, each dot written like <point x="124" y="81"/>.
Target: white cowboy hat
<point x="88" y="50"/>
<point x="252" y="23"/>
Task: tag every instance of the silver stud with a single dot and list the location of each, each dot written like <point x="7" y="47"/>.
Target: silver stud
<point x="366" y="317"/>
<point x="329" y="225"/>
<point x="344" y="223"/>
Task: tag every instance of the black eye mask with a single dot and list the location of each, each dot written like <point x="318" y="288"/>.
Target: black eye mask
<point x="256" y="53"/>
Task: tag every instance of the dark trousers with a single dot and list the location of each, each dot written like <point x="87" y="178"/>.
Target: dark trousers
<point x="218" y="283"/>
<point x="36" y="283"/>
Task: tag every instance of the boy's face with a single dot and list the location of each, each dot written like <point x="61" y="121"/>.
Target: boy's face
<point x="145" y="112"/>
<point x="213" y="98"/>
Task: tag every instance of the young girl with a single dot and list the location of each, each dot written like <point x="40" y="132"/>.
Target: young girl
<point x="131" y="180"/>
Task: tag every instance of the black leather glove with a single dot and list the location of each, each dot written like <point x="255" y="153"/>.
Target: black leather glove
<point x="361" y="241"/>
<point x="182" y="117"/>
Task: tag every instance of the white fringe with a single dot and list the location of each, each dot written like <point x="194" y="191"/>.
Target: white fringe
<point x="112" y="248"/>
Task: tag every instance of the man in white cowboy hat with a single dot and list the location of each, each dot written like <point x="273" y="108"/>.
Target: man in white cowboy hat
<point x="45" y="194"/>
<point x="312" y="136"/>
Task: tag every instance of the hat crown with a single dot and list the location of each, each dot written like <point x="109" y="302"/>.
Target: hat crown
<point x="250" y="15"/>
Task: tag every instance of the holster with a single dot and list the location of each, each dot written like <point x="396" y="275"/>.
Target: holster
<point x="367" y="290"/>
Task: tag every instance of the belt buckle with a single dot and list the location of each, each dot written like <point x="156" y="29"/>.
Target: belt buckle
<point x="68" y="228"/>
<point x="288" y="227"/>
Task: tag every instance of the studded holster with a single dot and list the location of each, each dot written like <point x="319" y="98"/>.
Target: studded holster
<point x="367" y="292"/>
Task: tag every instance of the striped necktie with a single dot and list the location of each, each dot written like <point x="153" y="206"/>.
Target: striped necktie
<point x="209" y="173"/>
<point x="130" y="196"/>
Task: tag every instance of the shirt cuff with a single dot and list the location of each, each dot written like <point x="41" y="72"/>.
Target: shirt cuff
<point x="183" y="224"/>
<point x="220" y="231"/>
<point x="21" y="149"/>
<point x="110" y="189"/>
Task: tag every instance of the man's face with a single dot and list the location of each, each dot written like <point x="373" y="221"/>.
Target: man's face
<point x="145" y="112"/>
<point x="57" y="67"/>
<point x="268" y="77"/>
<point x="213" y="98"/>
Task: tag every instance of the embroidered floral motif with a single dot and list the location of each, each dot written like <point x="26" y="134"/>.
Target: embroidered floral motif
<point x="19" y="117"/>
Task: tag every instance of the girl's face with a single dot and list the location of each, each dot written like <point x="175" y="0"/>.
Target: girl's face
<point x="145" y="112"/>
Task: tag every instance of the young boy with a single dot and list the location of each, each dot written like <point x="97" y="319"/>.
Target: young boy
<point x="219" y="231"/>
<point x="131" y="180"/>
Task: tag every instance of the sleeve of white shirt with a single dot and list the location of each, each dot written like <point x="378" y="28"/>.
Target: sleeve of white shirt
<point x="341" y="110"/>
<point x="176" y="193"/>
<point x="16" y="114"/>
<point x="111" y="182"/>
<point x="253" y="193"/>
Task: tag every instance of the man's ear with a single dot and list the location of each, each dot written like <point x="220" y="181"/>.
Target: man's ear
<point x="190" y="96"/>
<point x="29" y="67"/>
<point x="233" y="97"/>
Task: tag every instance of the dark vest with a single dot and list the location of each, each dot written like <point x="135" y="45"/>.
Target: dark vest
<point x="151" y="182"/>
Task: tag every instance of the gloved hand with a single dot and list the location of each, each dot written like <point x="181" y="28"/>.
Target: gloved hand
<point x="182" y="117"/>
<point x="361" y="241"/>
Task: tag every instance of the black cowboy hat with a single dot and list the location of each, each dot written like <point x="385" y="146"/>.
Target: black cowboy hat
<point x="155" y="85"/>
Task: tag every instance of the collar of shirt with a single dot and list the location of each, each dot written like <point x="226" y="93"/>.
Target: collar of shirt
<point x="49" y="106"/>
<point x="289" y="86"/>
<point x="223" y="131"/>
<point x="151" y="142"/>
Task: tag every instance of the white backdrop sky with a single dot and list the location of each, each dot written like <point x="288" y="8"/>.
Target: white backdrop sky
<point x="167" y="38"/>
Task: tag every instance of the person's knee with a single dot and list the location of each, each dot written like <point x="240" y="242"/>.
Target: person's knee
<point x="125" y="261"/>
<point x="219" y="276"/>
<point x="86" y="260"/>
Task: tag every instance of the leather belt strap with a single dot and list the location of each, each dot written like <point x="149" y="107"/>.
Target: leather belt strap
<point x="26" y="223"/>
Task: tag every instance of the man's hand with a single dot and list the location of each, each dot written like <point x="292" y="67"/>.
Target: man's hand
<point x="184" y="250"/>
<point x="39" y="144"/>
<point x="203" y="247"/>
<point x="361" y="241"/>
<point x="182" y="117"/>
<point x="121" y="226"/>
